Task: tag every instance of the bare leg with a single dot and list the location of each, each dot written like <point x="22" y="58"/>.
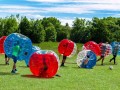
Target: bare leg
<point x="14" y="66"/>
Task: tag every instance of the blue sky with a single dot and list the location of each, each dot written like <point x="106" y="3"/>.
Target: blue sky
<point x="65" y="10"/>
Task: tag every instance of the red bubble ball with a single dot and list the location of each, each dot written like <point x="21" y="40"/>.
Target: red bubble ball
<point x="93" y="46"/>
<point x="43" y="65"/>
<point x="66" y="47"/>
<point x="2" y="39"/>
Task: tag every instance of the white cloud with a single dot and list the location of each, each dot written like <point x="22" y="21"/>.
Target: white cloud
<point x="83" y="1"/>
<point x="46" y="0"/>
<point x="98" y="1"/>
<point x="70" y="21"/>
<point x="35" y="16"/>
<point x="14" y="7"/>
<point x="89" y="7"/>
<point x="66" y="20"/>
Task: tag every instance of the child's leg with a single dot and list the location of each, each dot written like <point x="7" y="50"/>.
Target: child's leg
<point x="63" y="61"/>
<point x="114" y="58"/>
<point x="102" y="61"/>
<point x="99" y="59"/>
<point x="14" y="64"/>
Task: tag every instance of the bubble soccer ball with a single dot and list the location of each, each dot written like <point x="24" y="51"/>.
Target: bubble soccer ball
<point x="114" y="44"/>
<point x="2" y="39"/>
<point x="24" y="43"/>
<point x="93" y="46"/>
<point x="82" y="55"/>
<point x="34" y="49"/>
<point x="67" y="48"/>
<point x="44" y="65"/>
<point x="108" y="48"/>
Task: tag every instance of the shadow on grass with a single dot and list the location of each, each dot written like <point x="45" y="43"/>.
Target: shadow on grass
<point x="8" y="73"/>
<point x="106" y="64"/>
<point x="2" y="64"/>
<point x="77" y="67"/>
<point x="70" y="62"/>
<point x="24" y="66"/>
<point x="32" y="76"/>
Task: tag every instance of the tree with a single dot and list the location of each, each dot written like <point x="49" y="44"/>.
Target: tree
<point x="10" y="25"/>
<point x="64" y="33"/>
<point x="78" y="30"/>
<point x="38" y="33"/>
<point x="50" y="33"/>
<point x="25" y="27"/>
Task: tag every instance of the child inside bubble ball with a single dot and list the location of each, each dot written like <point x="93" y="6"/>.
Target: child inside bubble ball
<point x="16" y="50"/>
<point x="103" y="52"/>
<point x="63" y="60"/>
<point x="85" y="61"/>
<point x="114" y="52"/>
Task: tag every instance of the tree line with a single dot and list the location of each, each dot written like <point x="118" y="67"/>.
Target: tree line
<point x="105" y="29"/>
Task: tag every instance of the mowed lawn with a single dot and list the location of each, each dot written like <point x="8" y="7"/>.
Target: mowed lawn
<point x="72" y="77"/>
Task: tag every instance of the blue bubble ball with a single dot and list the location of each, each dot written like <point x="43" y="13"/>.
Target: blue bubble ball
<point x="89" y="55"/>
<point x="34" y="49"/>
<point x="24" y="43"/>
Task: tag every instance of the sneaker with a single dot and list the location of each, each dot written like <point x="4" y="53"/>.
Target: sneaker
<point x="62" y="65"/>
<point x="57" y="75"/>
<point x="13" y="71"/>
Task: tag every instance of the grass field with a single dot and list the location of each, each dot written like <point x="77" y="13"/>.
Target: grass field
<point x="72" y="77"/>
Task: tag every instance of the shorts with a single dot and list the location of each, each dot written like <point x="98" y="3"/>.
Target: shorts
<point x="64" y="57"/>
<point x="102" y="56"/>
<point x="14" y="59"/>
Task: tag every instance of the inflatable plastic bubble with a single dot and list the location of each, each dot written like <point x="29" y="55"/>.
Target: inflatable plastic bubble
<point x="93" y="46"/>
<point x="34" y="49"/>
<point x="114" y="44"/>
<point x="67" y="48"/>
<point x="108" y="48"/>
<point x="49" y="52"/>
<point x="44" y="65"/>
<point x="24" y="43"/>
<point x="2" y="39"/>
<point x="86" y="59"/>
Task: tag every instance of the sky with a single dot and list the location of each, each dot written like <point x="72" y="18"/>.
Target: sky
<point x="64" y="10"/>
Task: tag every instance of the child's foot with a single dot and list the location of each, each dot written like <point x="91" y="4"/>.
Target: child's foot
<point x="7" y="63"/>
<point x="58" y="75"/>
<point x="15" y="69"/>
<point x="62" y="65"/>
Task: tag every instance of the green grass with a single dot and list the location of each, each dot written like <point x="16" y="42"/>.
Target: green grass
<point x="72" y="77"/>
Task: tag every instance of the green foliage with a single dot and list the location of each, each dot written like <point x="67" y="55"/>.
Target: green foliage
<point x="10" y="25"/>
<point x="25" y="27"/>
<point x="37" y="32"/>
<point x="50" y="29"/>
<point x="50" y="33"/>
<point x="64" y="32"/>
<point x="78" y="30"/>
